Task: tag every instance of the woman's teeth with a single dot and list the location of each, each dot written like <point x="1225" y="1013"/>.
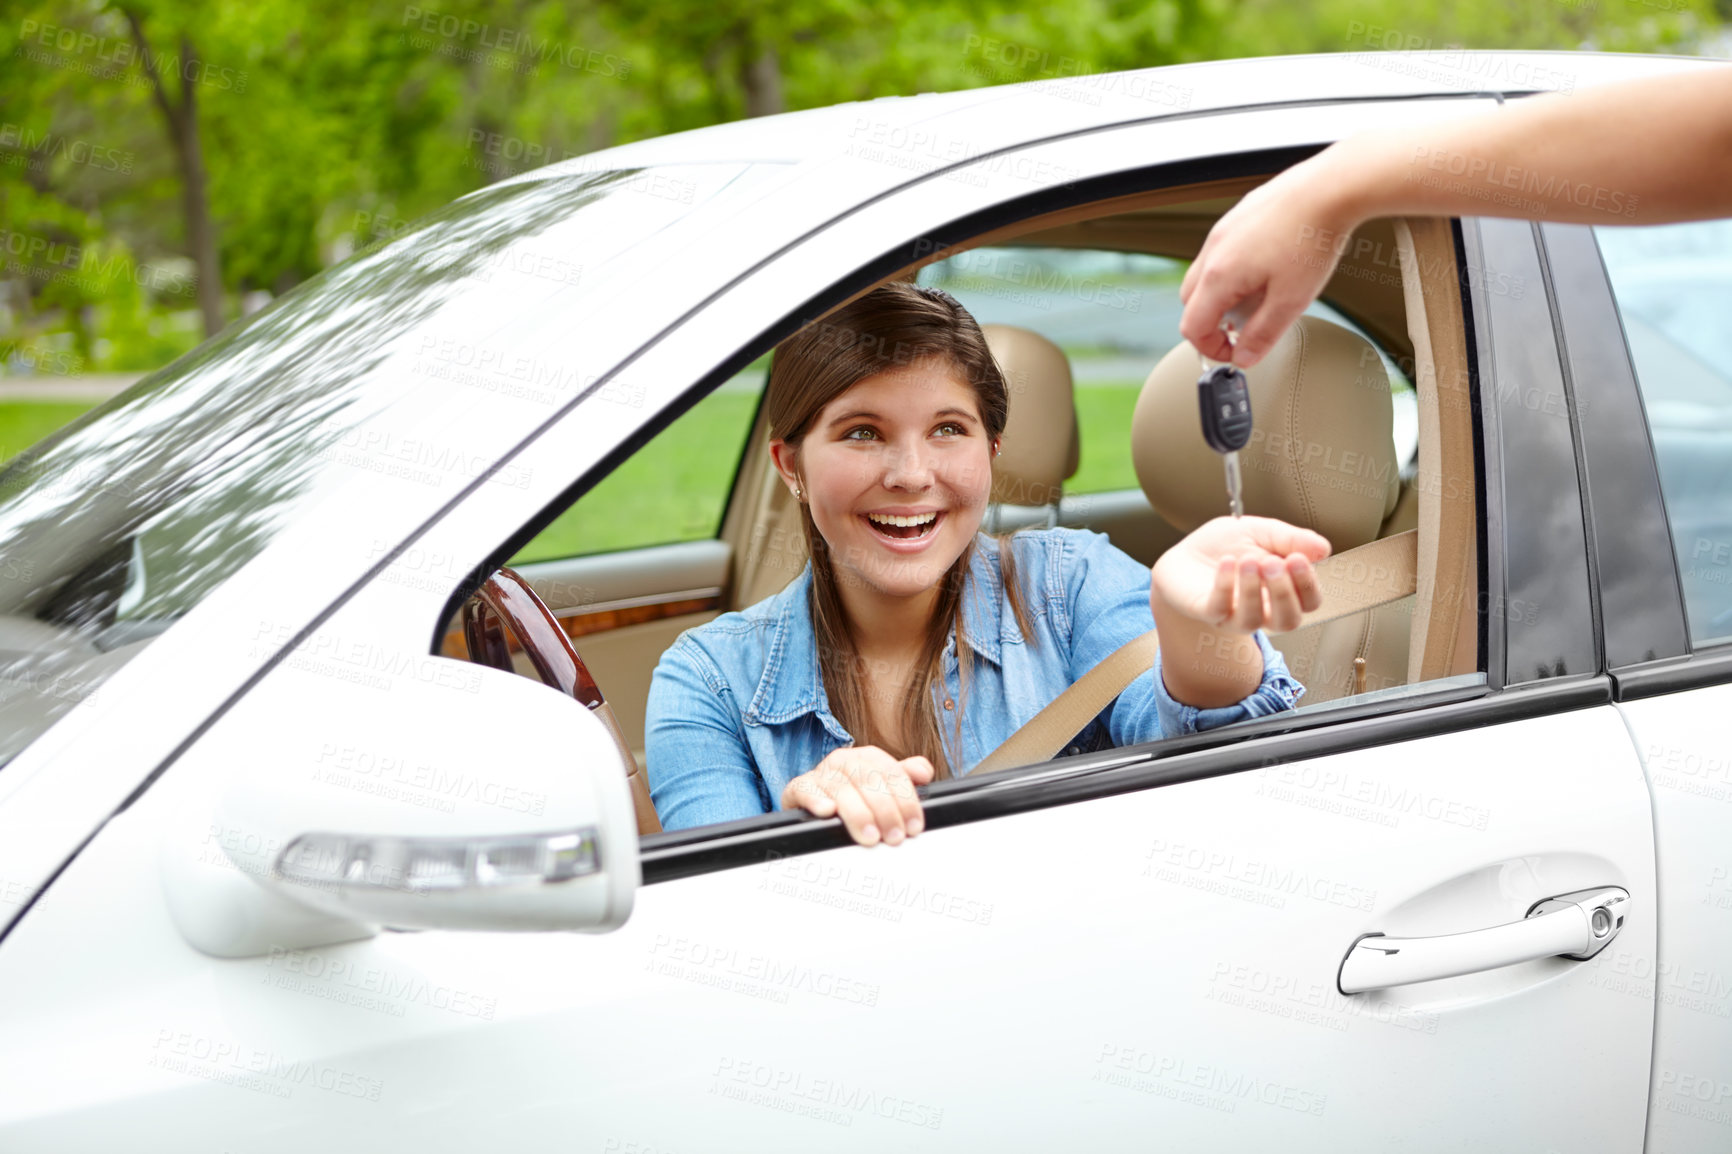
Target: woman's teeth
<point x="892" y="525"/>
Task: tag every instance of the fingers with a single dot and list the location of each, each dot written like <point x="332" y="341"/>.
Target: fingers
<point x="1248" y="611"/>
<point x="918" y="770"/>
<point x="807" y="793"/>
<point x="1241" y="574"/>
<point x="1305" y="582"/>
<point x="1199" y="267"/>
<point x="860" y="816"/>
<point x="1211" y="296"/>
<point x="1201" y="323"/>
<point x="1280" y="538"/>
<point x="870" y="791"/>
<point x="1284" y="610"/>
<point x="1218" y="608"/>
<point x="1267" y="592"/>
<point x="1271" y="317"/>
<point x="1192" y="274"/>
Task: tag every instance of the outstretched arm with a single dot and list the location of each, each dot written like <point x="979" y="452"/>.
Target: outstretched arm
<point x="1646" y="151"/>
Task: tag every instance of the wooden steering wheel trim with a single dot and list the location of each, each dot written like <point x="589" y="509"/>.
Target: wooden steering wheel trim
<point x="546" y="645"/>
<point x="506" y="597"/>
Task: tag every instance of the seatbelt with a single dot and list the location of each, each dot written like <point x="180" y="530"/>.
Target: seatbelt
<point x="1374" y="574"/>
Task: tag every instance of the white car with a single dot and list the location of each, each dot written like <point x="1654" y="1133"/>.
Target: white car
<point x="1475" y="892"/>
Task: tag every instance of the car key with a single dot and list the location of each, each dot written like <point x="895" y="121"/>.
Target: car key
<point x="1224" y="398"/>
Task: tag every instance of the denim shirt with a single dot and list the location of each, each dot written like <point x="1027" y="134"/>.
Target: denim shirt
<point x="737" y="707"/>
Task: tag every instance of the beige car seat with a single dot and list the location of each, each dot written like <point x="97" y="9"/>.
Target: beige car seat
<point x="1041" y="447"/>
<point x="1321" y="455"/>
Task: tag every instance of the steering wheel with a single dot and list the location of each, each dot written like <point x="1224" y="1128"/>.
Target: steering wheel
<point x="505" y="600"/>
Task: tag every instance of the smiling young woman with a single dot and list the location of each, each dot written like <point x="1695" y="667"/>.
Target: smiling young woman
<point x="912" y="644"/>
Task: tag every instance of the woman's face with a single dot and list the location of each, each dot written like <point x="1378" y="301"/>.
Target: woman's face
<point x="897" y="471"/>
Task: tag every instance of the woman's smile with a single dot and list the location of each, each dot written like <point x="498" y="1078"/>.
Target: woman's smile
<point x="905" y="532"/>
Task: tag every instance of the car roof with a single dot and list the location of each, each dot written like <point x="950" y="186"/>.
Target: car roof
<point x="1079" y="102"/>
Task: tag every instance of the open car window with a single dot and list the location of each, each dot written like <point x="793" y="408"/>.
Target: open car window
<point x="1113" y="314"/>
<point x="674" y="489"/>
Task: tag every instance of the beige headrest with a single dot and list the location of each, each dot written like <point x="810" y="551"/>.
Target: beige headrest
<point x="1040" y="449"/>
<point x="1322" y="451"/>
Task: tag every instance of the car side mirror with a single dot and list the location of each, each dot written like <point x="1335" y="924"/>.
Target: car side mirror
<point x="470" y="800"/>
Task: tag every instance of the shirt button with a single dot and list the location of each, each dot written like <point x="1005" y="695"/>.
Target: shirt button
<point x="949" y="704"/>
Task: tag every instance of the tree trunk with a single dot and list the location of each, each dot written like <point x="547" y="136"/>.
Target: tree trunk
<point x="195" y="201"/>
<point x="181" y="119"/>
<point x="761" y="77"/>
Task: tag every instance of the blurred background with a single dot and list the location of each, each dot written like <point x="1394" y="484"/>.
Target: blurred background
<point x="168" y="168"/>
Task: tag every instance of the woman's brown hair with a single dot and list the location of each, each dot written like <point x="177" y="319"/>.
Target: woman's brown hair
<point x="894" y="325"/>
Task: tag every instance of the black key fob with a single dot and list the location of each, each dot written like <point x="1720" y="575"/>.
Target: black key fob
<point x="1225" y="400"/>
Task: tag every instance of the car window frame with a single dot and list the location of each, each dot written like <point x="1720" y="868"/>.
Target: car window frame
<point x="1429" y="709"/>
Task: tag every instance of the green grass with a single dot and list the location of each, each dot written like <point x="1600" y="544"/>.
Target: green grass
<point x="23" y="423"/>
<point x="1103" y="414"/>
<point x="670" y="490"/>
<point x="673" y="489"/>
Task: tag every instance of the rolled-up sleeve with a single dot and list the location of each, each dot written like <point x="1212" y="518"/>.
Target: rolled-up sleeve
<point x="1107" y="592"/>
<point x="1277" y="691"/>
<point x="699" y="767"/>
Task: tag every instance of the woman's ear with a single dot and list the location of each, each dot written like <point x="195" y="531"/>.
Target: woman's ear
<point x="785" y="457"/>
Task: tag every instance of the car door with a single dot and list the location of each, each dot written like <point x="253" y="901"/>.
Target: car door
<point x="1120" y="948"/>
<point x="1178" y="926"/>
<point x="1125" y="949"/>
<point x="1641" y="310"/>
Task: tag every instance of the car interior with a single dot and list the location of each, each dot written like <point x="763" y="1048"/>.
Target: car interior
<point x="1363" y="431"/>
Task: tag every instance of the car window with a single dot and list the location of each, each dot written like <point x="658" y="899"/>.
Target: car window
<point x="1115" y="314"/>
<point x="674" y="489"/>
<point x="1673" y="285"/>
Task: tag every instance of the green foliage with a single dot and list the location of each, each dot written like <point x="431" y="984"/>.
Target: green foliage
<point x="327" y="125"/>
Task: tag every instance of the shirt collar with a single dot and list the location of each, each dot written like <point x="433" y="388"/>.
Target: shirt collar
<point x="792" y="683"/>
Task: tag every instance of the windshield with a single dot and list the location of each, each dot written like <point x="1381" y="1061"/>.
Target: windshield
<point x="124" y="520"/>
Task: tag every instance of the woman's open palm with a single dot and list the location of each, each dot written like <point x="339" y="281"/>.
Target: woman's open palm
<point x="1242" y="573"/>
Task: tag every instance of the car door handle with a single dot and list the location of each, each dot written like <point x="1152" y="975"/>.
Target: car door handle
<point x="1573" y="925"/>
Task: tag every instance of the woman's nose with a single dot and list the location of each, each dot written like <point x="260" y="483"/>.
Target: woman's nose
<point x="908" y="467"/>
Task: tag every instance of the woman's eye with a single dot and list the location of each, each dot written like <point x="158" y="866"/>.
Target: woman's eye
<point x="861" y="433"/>
<point x="953" y="429"/>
